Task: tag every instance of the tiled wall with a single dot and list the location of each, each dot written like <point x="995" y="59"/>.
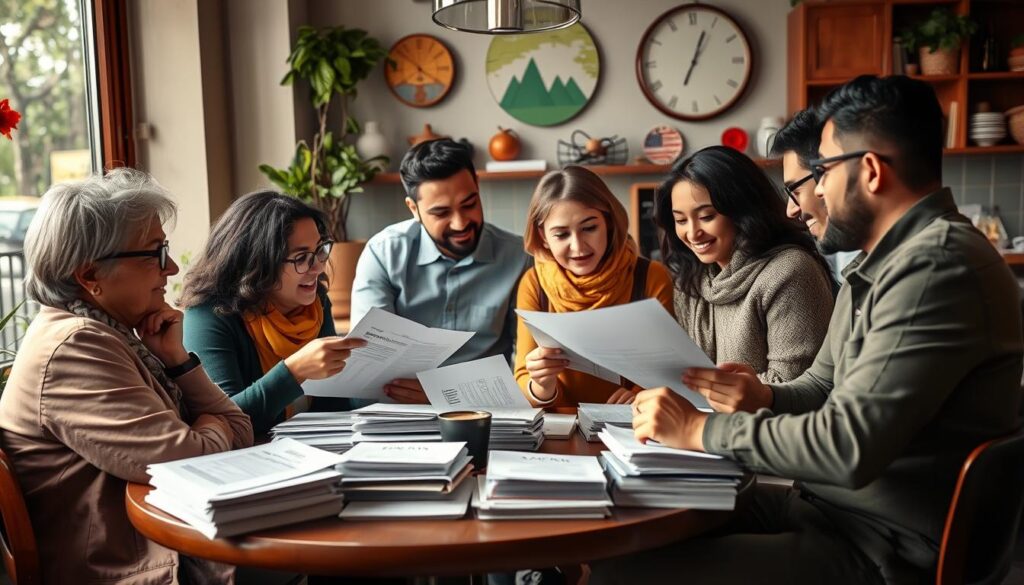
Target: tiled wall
<point x="992" y="180"/>
<point x="996" y="181"/>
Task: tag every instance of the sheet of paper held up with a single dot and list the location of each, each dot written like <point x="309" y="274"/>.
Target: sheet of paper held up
<point x="576" y="361"/>
<point x="483" y="383"/>
<point x="396" y="348"/>
<point x="640" y="341"/>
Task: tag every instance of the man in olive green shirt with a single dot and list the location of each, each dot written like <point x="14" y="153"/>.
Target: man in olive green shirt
<point x="922" y="364"/>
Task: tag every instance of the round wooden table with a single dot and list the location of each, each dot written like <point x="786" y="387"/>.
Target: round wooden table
<point x="432" y="547"/>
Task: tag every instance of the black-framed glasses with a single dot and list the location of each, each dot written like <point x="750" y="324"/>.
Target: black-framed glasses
<point x="818" y="168"/>
<point x="303" y="263"/>
<point x="160" y="252"/>
<point x="792" y="186"/>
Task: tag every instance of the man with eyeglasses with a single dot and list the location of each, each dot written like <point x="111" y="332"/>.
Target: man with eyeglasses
<point x="921" y="365"/>
<point x="445" y="267"/>
<point x="797" y="143"/>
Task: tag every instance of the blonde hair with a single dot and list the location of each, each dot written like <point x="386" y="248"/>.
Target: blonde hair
<point x="579" y="184"/>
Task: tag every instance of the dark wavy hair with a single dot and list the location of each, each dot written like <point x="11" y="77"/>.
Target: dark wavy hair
<point x="433" y="160"/>
<point x="244" y="256"/>
<point x="740" y="191"/>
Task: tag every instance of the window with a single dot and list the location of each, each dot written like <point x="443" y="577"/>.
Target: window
<point x="62" y="65"/>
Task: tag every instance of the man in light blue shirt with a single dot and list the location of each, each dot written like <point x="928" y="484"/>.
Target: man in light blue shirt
<point x="445" y="267"/>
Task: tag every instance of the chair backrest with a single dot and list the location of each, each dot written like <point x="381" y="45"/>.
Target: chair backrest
<point x="984" y="515"/>
<point x="17" y="539"/>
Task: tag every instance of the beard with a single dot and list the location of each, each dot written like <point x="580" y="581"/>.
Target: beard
<point x="849" y="231"/>
<point x="454" y="249"/>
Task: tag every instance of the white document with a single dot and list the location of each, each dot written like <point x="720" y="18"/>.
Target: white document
<point x="545" y="467"/>
<point x="640" y="341"/>
<point x="233" y="472"/>
<point x="440" y="509"/>
<point x="559" y="426"/>
<point x="403" y="455"/>
<point x="396" y="348"/>
<point x="482" y="383"/>
<point x="576" y="361"/>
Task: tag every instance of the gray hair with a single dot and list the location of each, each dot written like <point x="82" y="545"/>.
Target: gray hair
<point x="83" y="221"/>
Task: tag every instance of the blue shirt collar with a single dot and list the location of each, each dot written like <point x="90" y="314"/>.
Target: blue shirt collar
<point x="429" y="253"/>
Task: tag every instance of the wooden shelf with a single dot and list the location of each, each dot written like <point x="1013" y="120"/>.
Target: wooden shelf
<point x="997" y="149"/>
<point x="1014" y="258"/>
<point x="603" y="170"/>
<point x="996" y="75"/>
<point x="936" y="78"/>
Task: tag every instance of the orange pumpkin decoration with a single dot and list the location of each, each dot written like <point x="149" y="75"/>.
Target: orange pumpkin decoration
<point x="504" y="145"/>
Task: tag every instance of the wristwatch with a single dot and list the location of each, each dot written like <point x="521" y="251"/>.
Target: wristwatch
<point x="180" y="370"/>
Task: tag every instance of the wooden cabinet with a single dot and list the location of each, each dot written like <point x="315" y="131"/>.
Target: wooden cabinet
<point x="831" y="42"/>
<point x="844" y="41"/>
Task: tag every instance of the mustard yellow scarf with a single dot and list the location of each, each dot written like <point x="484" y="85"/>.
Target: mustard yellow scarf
<point x="611" y="285"/>
<point x="278" y="336"/>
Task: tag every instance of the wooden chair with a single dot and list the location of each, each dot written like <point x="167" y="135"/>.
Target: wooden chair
<point x="17" y="539"/>
<point x="984" y="515"/>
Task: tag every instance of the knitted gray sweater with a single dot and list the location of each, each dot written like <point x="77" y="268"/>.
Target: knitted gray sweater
<point x="771" y="312"/>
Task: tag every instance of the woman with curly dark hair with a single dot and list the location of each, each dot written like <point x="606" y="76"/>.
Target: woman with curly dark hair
<point x="750" y="285"/>
<point x="256" y="307"/>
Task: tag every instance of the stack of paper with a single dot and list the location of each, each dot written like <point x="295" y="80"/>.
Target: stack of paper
<point x="388" y="423"/>
<point x="511" y="428"/>
<point x="536" y="485"/>
<point x="231" y="493"/>
<point x="655" y="476"/>
<point x="422" y="480"/>
<point x="594" y="417"/>
<point x="516" y="429"/>
<point x="330" y="431"/>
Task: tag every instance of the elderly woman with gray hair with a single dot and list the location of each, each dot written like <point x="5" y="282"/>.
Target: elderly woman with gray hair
<point x="102" y="385"/>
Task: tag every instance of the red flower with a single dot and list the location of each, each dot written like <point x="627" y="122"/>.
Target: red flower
<point x="8" y="119"/>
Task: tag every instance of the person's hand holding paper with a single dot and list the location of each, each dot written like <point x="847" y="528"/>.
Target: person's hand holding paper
<point x="730" y="387"/>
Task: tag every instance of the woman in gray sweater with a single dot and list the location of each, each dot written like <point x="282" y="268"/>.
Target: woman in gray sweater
<point x="750" y="285"/>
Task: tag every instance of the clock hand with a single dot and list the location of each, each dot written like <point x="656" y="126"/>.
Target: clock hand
<point x="696" y="53"/>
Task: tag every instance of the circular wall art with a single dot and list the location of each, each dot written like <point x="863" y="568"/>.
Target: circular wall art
<point x="544" y="79"/>
<point x="420" y="70"/>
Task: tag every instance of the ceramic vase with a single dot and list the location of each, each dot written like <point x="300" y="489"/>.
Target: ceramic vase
<point x="766" y="134"/>
<point x="372" y="143"/>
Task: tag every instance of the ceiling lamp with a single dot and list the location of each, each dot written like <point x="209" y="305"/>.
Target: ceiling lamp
<point x="502" y="17"/>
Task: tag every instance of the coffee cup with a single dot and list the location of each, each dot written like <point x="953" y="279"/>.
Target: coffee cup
<point x="471" y="426"/>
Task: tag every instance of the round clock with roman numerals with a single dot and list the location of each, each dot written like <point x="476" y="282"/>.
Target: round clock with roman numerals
<point x="694" y="62"/>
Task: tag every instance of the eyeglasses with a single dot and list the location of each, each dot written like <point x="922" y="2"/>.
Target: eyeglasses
<point x="818" y="168"/>
<point x="160" y="252"/>
<point x="303" y="263"/>
<point x="793" y="186"/>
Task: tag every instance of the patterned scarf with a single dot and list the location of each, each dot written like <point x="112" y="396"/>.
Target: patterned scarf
<point x="153" y="364"/>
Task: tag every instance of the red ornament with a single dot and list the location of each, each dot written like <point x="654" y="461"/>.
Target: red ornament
<point x="736" y="138"/>
<point x="8" y="119"/>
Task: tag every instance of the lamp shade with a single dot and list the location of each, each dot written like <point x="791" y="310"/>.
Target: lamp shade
<point x="500" y="17"/>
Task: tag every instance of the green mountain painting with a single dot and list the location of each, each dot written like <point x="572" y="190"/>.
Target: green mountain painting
<point x="543" y="79"/>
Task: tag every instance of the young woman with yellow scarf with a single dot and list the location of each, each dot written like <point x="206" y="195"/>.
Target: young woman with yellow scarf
<point x="256" y="308"/>
<point x="577" y="232"/>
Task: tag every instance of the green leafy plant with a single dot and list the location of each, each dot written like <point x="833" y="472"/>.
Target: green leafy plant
<point x="332" y="61"/>
<point x="941" y="30"/>
<point x="183" y="263"/>
<point x="5" y="371"/>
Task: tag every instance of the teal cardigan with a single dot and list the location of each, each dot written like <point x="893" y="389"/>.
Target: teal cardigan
<point x="229" y="355"/>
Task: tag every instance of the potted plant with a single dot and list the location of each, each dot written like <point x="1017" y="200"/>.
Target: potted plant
<point x="938" y="39"/>
<point x="328" y="170"/>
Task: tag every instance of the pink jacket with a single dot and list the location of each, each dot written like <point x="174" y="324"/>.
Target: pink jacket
<point x="81" y="416"/>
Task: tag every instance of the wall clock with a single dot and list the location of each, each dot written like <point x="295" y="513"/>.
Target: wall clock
<point x="420" y="70"/>
<point x="694" y="62"/>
